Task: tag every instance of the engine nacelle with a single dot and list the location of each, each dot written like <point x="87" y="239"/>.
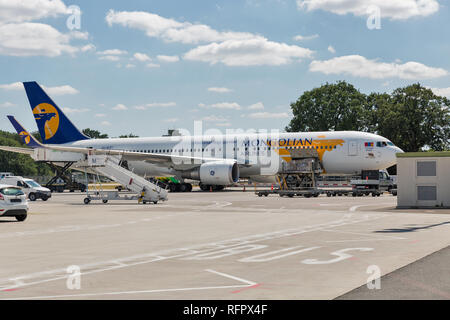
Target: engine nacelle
<point x="221" y="173"/>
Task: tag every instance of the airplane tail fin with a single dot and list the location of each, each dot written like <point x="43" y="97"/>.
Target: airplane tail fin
<point x="53" y="125"/>
<point x="27" y="138"/>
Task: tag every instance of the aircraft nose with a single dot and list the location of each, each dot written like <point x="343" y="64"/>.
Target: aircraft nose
<point x="398" y="150"/>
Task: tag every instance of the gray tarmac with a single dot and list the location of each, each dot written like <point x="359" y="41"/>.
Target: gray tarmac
<point x="225" y="245"/>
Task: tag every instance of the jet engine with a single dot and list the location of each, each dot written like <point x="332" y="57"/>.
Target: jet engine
<point x="221" y="173"/>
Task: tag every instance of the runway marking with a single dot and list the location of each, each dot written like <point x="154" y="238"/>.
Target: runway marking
<point x="178" y="252"/>
<point x="375" y="237"/>
<point x="353" y="209"/>
<point x="340" y="256"/>
<point x="246" y="283"/>
<point x="250" y="283"/>
<point x="259" y="257"/>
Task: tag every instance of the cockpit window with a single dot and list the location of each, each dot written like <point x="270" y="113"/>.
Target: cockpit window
<point x="381" y="144"/>
<point x="390" y="144"/>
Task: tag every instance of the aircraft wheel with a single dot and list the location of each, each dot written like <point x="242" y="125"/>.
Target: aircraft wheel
<point x="183" y="187"/>
<point x="86" y="200"/>
<point x="188" y="187"/>
<point x="105" y="201"/>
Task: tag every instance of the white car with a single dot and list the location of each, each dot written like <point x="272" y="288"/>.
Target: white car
<point x="13" y="202"/>
<point x="31" y="188"/>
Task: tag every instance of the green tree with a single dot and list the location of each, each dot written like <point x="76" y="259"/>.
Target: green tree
<point x="130" y="135"/>
<point x="338" y="106"/>
<point x="414" y="118"/>
<point x="94" y="134"/>
<point x="19" y="164"/>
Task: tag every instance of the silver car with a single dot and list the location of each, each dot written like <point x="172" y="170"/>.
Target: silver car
<point x="13" y="202"/>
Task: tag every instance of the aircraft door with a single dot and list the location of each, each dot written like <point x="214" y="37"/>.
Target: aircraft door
<point x="353" y="148"/>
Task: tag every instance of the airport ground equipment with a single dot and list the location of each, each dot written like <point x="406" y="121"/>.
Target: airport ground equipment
<point x="109" y="166"/>
<point x="175" y="185"/>
<point x="64" y="180"/>
<point x="374" y="182"/>
<point x="298" y="176"/>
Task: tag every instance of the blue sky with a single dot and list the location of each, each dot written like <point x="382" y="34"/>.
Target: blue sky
<point x="147" y="66"/>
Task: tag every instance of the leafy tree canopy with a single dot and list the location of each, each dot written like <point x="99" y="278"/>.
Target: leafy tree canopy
<point x="412" y="117"/>
<point x="94" y="134"/>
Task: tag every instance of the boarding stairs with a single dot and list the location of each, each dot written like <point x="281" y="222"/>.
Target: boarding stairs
<point x="109" y="166"/>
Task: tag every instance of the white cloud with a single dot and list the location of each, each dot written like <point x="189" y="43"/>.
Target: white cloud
<point x="228" y="47"/>
<point x="109" y="58"/>
<point x="444" y="92"/>
<point x="60" y="91"/>
<point x="142" y="57"/>
<point x="331" y="49"/>
<point x="299" y="37"/>
<point x="268" y="115"/>
<point x="88" y="47"/>
<point x="100" y="115"/>
<point x="226" y="105"/>
<point x="171" y="30"/>
<point x="7" y="104"/>
<point x="79" y="35"/>
<point x="12" y="86"/>
<point x="130" y="65"/>
<point x="256" y="106"/>
<point x="168" y="58"/>
<point x="105" y="123"/>
<point x="222" y="105"/>
<point x="219" y="89"/>
<point x="153" y="65"/>
<point x="156" y="105"/>
<point x="53" y="91"/>
<point x="120" y="107"/>
<point x="33" y="39"/>
<point x="72" y="110"/>
<point x="359" y="66"/>
<point x="112" y="52"/>
<point x="393" y="9"/>
<point x="28" y="10"/>
<point x="251" y="52"/>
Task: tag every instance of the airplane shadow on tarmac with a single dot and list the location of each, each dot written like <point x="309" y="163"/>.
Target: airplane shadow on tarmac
<point x="411" y="229"/>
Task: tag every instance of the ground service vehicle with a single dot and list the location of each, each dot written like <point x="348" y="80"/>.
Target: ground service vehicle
<point x="30" y="187"/>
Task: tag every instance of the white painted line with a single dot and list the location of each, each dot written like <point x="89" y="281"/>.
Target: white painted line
<point x="247" y="283"/>
<point x="180" y="252"/>
<point x="366" y="234"/>
<point x="250" y="283"/>
<point x="353" y="209"/>
<point x="123" y="292"/>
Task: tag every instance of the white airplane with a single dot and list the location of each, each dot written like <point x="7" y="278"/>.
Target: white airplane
<point x="214" y="160"/>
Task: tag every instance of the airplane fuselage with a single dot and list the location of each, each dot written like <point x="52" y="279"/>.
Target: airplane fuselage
<point x="259" y="155"/>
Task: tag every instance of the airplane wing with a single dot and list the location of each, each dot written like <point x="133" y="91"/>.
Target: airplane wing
<point x="173" y="159"/>
<point x="136" y="156"/>
<point x="17" y="150"/>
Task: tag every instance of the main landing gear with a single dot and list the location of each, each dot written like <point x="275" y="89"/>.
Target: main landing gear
<point x="207" y="187"/>
<point x="180" y="187"/>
